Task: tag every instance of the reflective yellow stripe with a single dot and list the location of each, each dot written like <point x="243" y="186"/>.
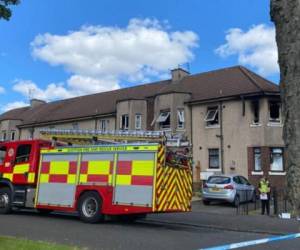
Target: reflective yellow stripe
<point x="44" y="178"/>
<point x="123" y="180"/>
<point x="30" y="177"/>
<point x="71" y="179"/>
<point x="98" y="167"/>
<point x="142" y="168"/>
<point x="59" y="167"/>
<point x="8" y="176"/>
<point x="22" y="168"/>
<point x="102" y="149"/>
<point x="83" y="178"/>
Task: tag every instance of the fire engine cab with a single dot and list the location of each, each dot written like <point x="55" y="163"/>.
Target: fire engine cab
<point x="94" y="179"/>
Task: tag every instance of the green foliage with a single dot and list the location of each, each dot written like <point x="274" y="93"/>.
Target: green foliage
<point x="5" y="11"/>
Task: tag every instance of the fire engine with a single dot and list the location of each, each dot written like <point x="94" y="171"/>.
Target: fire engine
<point x="96" y="174"/>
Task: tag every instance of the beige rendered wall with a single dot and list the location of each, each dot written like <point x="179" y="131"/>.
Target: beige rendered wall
<point x="239" y="133"/>
<point x="9" y="126"/>
<point x="132" y="107"/>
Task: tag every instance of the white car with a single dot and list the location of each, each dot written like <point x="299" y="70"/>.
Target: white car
<point x="231" y="188"/>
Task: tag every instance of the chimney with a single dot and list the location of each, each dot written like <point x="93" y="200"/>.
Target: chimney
<point x="178" y="74"/>
<point x="36" y="102"/>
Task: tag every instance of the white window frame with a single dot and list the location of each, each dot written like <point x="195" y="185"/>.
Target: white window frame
<point x="103" y="125"/>
<point x="138" y="121"/>
<point x="180" y="119"/>
<point x="163" y="116"/>
<point x="216" y="111"/>
<point x="256" y="169"/>
<point x="209" y="161"/>
<point x="272" y="161"/>
<point x="126" y="124"/>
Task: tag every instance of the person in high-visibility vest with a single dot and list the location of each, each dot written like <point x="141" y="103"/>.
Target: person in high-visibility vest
<point x="264" y="190"/>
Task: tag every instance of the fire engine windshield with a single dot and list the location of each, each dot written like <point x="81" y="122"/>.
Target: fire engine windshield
<point x="2" y="154"/>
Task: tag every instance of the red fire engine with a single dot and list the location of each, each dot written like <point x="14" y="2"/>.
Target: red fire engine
<point x="130" y="179"/>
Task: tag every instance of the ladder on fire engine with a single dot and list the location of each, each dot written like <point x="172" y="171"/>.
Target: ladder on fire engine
<point x="83" y="137"/>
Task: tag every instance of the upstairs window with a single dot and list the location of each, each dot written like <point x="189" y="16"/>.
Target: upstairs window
<point x="276" y="159"/>
<point x="180" y="118"/>
<point x="257" y="159"/>
<point x="213" y="158"/>
<point x="23" y="153"/>
<point x="124" y="122"/>
<point x="255" y="111"/>
<point x="104" y="125"/>
<point x="13" y="135"/>
<point x="2" y="154"/>
<point x="75" y="125"/>
<point x="164" y="120"/>
<point x="212" y="116"/>
<point x="274" y="112"/>
<point x="4" y="135"/>
<point x="138" y="121"/>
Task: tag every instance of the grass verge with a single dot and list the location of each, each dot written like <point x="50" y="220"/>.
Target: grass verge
<point x="10" y="243"/>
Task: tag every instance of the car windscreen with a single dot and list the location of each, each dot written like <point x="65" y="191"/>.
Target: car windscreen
<point x="218" y="180"/>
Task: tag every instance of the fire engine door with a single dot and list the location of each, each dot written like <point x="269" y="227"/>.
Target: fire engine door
<point x="57" y="180"/>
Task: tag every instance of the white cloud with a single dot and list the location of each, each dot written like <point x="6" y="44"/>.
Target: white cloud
<point x="255" y="47"/>
<point x="13" y="105"/>
<point x="99" y="57"/>
<point x="2" y="90"/>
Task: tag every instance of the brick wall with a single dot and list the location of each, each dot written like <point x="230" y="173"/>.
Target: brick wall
<point x="278" y="181"/>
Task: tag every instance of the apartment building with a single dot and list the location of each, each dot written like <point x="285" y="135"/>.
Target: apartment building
<point x="231" y="116"/>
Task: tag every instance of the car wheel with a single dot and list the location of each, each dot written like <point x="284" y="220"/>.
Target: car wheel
<point x="5" y="200"/>
<point x="206" y="202"/>
<point x="89" y="207"/>
<point x="236" y="201"/>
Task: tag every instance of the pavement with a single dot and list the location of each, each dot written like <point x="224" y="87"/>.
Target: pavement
<point x="205" y="226"/>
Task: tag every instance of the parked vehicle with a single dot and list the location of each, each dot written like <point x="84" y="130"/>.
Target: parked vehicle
<point x="94" y="180"/>
<point x="230" y="188"/>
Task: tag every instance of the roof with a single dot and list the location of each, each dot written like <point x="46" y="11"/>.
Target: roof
<point x="227" y="82"/>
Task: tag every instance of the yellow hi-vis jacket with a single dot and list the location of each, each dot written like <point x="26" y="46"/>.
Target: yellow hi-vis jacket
<point x="264" y="186"/>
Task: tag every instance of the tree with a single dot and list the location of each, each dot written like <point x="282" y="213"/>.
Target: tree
<point x="5" y="11"/>
<point x="286" y="16"/>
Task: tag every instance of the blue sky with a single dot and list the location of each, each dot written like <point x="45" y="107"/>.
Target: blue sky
<point x="54" y="49"/>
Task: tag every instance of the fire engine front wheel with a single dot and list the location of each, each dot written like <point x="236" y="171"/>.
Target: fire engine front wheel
<point x="89" y="207"/>
<point x="5" y="200"/>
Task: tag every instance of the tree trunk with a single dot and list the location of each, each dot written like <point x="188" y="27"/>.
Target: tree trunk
<point x="286" y="16"/>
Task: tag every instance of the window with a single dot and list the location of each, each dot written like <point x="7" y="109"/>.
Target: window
<point x="138" y="121"/>
<point x="180" y="118"/>
<point x="103" y="125"/>
<point x="213" y="158"/>
<point x="164" y="120"/>
<point x="237" y="180"/>
<point x="218" y="180"/>
<point x="4" y="135"/>
<point x="212" y="116"/>
<point x="2" y="154"/>
<point x="275" y="110"/>
<point x="75" y="125"/>
<point x="23" y="153"/>
<point x="257" y="159"/>
<point x="244" y="180"/>
<point x="13" y="135"/>
<point x="124" y="122"/>
<point x="276" y="159"/>
<point x="255" y="111"/>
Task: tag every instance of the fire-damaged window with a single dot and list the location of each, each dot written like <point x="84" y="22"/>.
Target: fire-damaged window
<point x="23" y="153"/>
<point x="257" y="159"/>
<point x="124" y="122"/>
<point x="2" y="154"/>
<point x="212" y="116"/>
<point x="213" y="158"/>
<point x="255" y="111"/>
<point x="274" y="111"/>
<point x="276" y="159"/>
<point x="164" y="120"/>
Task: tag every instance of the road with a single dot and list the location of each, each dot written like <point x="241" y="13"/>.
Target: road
<point x="172" y="231"/>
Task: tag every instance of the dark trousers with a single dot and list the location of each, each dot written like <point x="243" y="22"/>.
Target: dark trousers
<point x="265" y="204"/>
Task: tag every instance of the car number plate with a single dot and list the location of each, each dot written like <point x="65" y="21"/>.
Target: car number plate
<point x="215" y="189"/>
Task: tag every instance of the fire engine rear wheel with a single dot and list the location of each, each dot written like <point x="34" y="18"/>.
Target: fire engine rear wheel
<point x="89" y="207"/>
<point x="5" y="200"/>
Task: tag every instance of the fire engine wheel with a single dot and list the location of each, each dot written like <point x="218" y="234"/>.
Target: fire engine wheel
<point x="5" y="200"/>
<point x="89" y="207"/>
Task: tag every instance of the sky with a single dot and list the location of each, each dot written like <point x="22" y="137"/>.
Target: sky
<point x="57" y="49"/>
